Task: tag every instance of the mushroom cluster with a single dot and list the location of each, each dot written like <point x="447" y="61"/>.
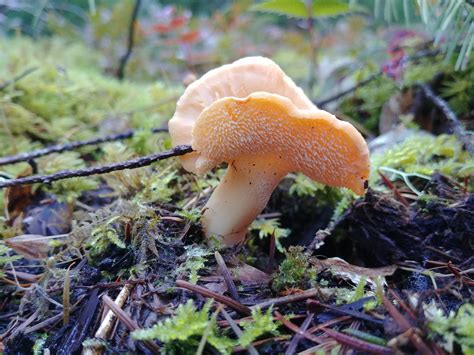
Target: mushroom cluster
<point x="252" y="116"/>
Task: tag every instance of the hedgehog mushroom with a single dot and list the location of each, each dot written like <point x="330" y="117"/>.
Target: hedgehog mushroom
<point x="264" y="127"/>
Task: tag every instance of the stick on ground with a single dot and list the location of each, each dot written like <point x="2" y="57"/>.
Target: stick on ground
<point x="96" y="170"/>
<point x="453" y="120"/>
<point x="59" y="148"/>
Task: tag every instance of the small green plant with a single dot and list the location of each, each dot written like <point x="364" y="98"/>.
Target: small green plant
<point x="455" y="328"/>
<point x="425" y="154"/>
<point x="304" y="186"/>
<point x="182" y="333"/>
<point x="196" y="258"/>
<point x="157" y="188"/>
<point x="5" y="257"/>
<point x="294" y="271"/>
<point x="268" y="227"/>
<point x="104" y="236"/>
<point x="193" y="215"/>
<point x="261" y="323"/>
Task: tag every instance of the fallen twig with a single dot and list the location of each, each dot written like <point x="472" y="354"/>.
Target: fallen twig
<point x="59" y="148"/>
<point x="357" y="343"/>
<point x="293" y="327"/>
<point x="297" y="337"/>
<point x="313" y="292"/>
<point x="453" y="120"/>
<point x="17" y="78"/>
<point x="108" y="321"/>
<point x="353" y="88"/>
<point x="131" y="40"/>
<point x="227" y="276"/>
<point x="129" y="322"/>
<point x="366" y="81"/>
<point x="211" y="294"/>
<point x="96" y="170"/>
<point x="314" y="304"/>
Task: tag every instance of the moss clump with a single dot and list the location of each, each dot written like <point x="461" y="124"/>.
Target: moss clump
<point x="183" y="332"/>
<point x="425" y="154"/>
<point x="68" y="98"/>
<point x="294" y="271"/>
<point x="454" y="330"/>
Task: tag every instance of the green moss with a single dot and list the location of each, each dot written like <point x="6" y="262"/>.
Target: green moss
<point x="6" y="257"/>
<point x="425" y="154"/>
<point x="196" y="258"/>
<point x="455" y="328"/>
<point x="261" y="323"/>
<point x="68" y="98"/>
<point x="269" y="227"/>
<point x="294" y="271"/>
<point x="182" y="333"/>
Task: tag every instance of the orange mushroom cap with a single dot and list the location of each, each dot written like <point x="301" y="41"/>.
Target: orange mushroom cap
<point x="252" y="116"/>
<point x="239" y="79"/>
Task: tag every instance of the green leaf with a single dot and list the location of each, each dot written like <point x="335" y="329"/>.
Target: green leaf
<point x="290" y="8"/>
<point x="298" y="9"/>
<point x="322" y="8"/>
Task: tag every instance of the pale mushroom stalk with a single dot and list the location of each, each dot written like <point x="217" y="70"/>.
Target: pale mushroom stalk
<point x="241" y="195"/>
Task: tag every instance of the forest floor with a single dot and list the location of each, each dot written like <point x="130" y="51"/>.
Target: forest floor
<point x="118" y="262"/>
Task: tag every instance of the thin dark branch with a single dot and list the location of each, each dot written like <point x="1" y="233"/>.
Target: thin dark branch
<point x="349" y="90"/>
<point x="59" y="148"/>
<point x="17" y="78"/>
<point x="294" y="328"/>
<point x="419" y="55"/>
<point x="453" y="120"/>
<point x="128" y="322"/>
<point x="312" y="292"/>
<point x="313" y="305"/>
<point x="129" y="164"/>
<point x="356" y="343"/>
<point x="218" y="297"/>
<point x="291" y="349"/>
<point x="131" y="40"/>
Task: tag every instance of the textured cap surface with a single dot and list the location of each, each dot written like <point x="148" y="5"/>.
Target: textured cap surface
<point x="306" y="140"/>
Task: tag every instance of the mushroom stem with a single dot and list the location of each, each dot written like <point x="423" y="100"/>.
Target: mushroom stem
<point x="242" y="194"/>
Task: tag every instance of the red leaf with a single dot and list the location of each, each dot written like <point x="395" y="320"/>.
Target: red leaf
<point x="189" y="37"/>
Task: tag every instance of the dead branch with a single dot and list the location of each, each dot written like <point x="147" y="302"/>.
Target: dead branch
<point x="349" y="90"/>
<point x="131" y="39"/>
<point x="96" y="170"/>
<point x="218" y="297"/>
<point x="17" y="78"/>
<point x="59" y="148"/>
<point x="421" y="54"/>
<point x="453" y="120"/>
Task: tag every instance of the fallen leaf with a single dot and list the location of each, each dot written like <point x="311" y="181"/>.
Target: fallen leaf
<point x="354" y="273"/>
<point x="248" y="275"/>
<point x="17" y="198"/>
<point x="32" y="246"/>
